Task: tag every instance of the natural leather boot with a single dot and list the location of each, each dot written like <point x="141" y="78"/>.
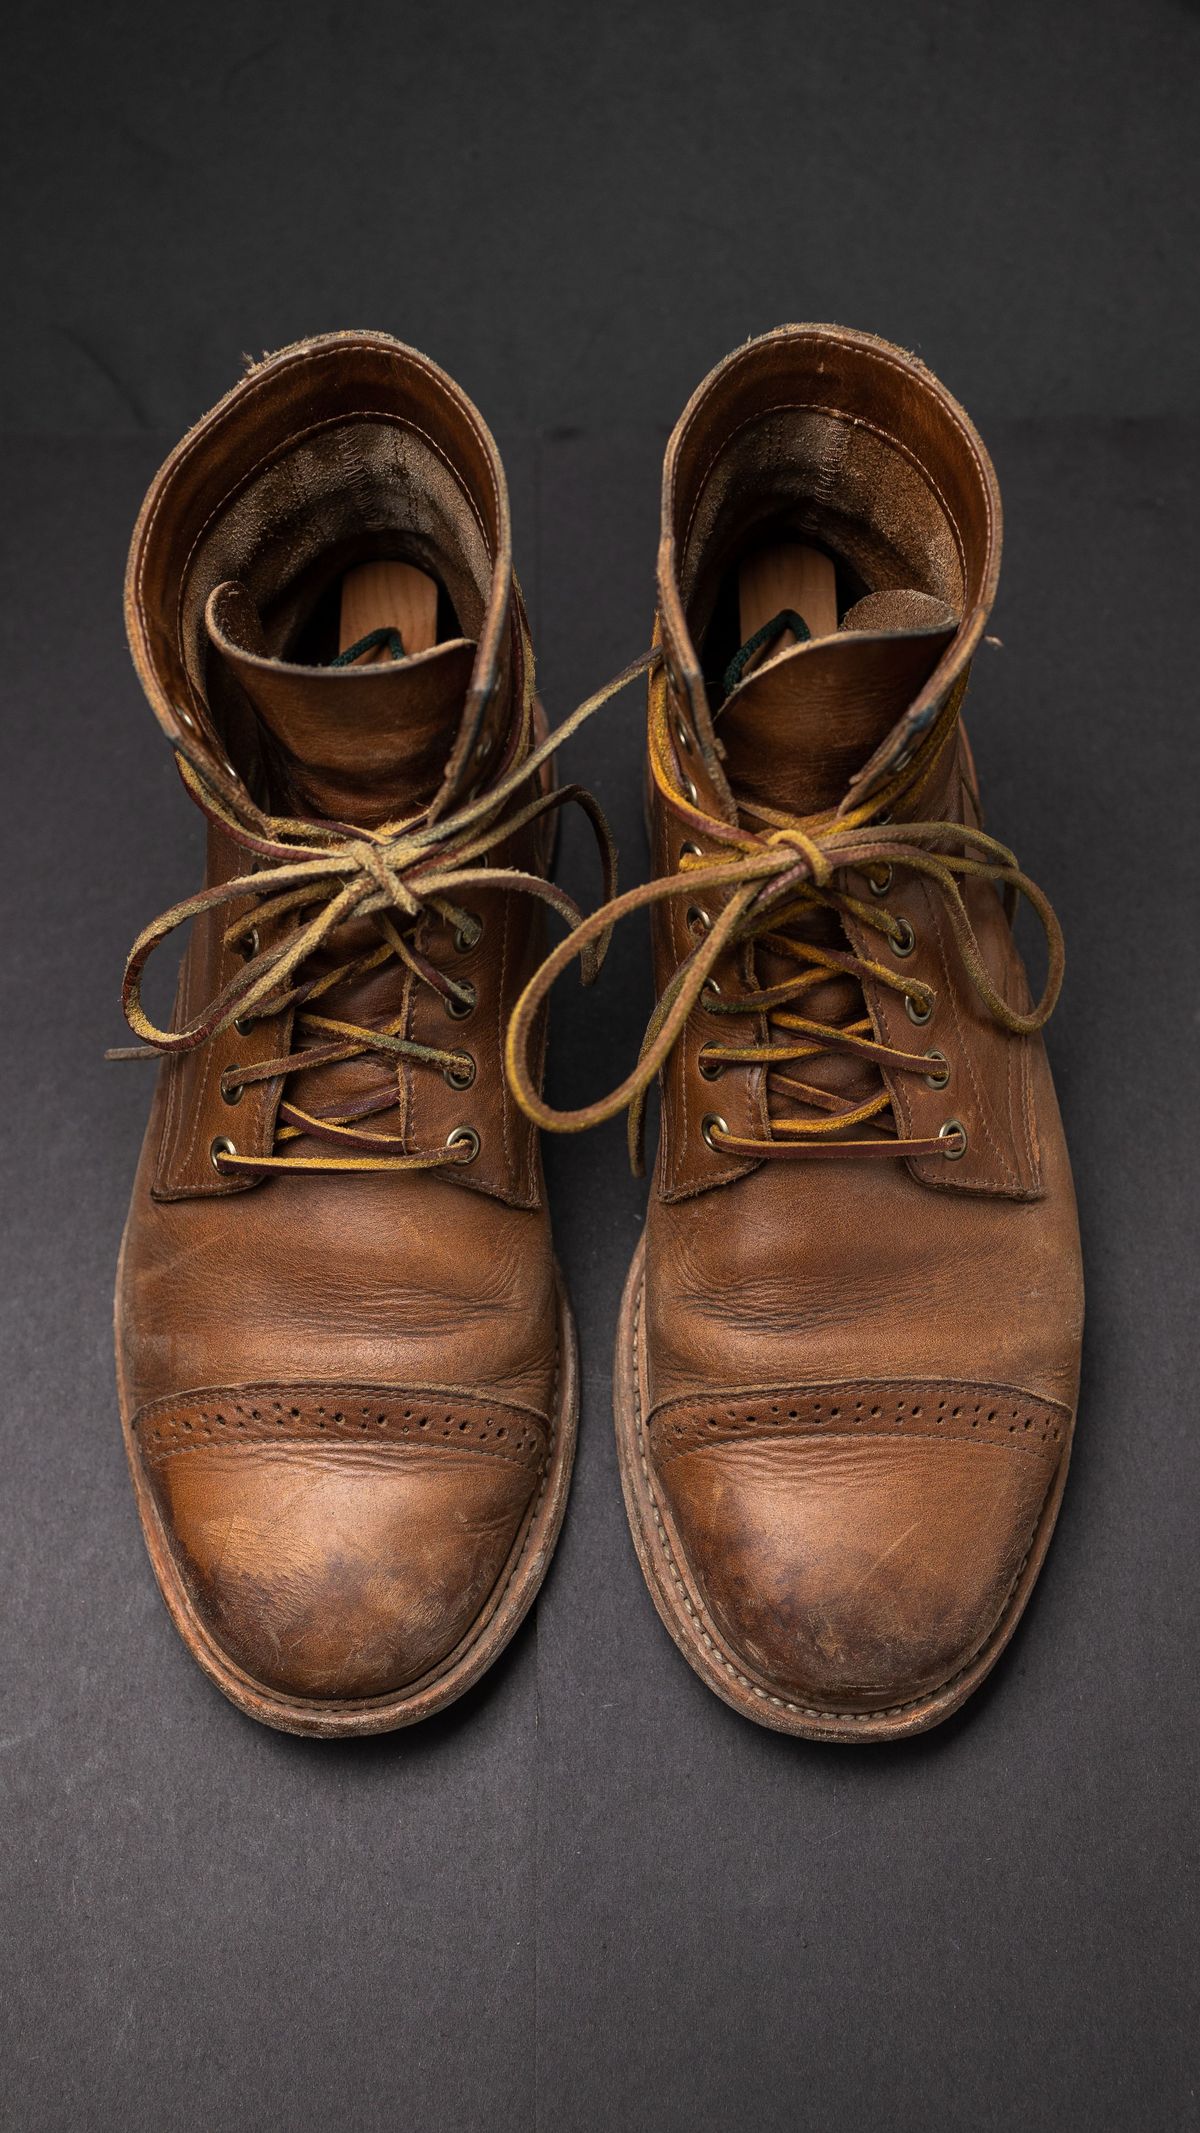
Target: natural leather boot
<point x="345" y="1357"/>
<point x="849" y="1348"/>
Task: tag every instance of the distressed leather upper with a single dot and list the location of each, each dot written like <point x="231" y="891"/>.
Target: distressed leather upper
<point x="862" y="1373"/>
<point x="341" y="1386"/>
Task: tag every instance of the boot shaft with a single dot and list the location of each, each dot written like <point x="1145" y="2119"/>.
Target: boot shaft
<point x="340" y="458"/>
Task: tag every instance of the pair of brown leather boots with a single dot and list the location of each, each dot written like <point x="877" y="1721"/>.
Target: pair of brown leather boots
<point x="848" y="1354"/>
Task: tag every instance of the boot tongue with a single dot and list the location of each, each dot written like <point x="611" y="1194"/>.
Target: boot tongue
<point x="359" y="744"/>
<point x="801" y="723"/>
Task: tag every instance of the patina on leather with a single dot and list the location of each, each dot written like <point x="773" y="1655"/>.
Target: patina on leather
<point x="345" y="1356"/>
<point x="849" y="1350"/>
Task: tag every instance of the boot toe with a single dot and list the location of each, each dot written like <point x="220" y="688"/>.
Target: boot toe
<point x="856" y="1545"/>
<point x="339" y="1543"/>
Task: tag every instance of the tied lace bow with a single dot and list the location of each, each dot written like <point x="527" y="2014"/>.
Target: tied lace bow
<point x="776" y="879"/>
<point x="320" y="876"/>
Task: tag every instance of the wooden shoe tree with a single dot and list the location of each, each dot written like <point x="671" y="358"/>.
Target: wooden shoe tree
<point x="787" y="575"/>
<point x="388" y="596"/>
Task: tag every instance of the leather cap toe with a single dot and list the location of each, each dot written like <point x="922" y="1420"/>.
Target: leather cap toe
<point x="856" y="1545"/>
<point x="339" y="1543"/>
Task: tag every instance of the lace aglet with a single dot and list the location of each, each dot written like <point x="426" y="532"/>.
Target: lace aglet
<point x="131" y="1051"/>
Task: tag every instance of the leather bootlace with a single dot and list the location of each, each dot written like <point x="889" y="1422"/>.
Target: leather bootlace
<point x="315" y="878"/>
<point x="780" y="877"/>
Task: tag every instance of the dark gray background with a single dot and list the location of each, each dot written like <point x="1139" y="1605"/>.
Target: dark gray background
<point x="590" y="1896"/>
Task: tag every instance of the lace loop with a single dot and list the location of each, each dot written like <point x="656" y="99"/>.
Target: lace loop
<point x="773" y="880"/>
<point x="320" y="876"/>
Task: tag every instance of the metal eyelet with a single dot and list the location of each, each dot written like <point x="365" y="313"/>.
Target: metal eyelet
<point x="462" y="1074"/>
<point x="249" y="945"/>
<point x="691" y="792"/>
<point x="221" y="1146"/>
<point x="698" y="919"/>
<point x="459" y="1009"/>
<point x="683" y="737"/>
<point x="954" y="1133"/>
<point x="690" y="851"/>
<point x="710" y="991"/>
<point x="884" y="816"/>
<point x="711" y="1069"/>
<point x="463" y="941"/>
<point x="905" y="941"/>
<point x="938" y="1081"/>
<point x="916" y="1010"/>
<point x="713" y="1123"/>
<point x="464" y="1137"/>
<point x="243" y="1024"/>
<point x="185" y="718"/>
<point x="232" y="1092"/>
<point x="880" y="883"/>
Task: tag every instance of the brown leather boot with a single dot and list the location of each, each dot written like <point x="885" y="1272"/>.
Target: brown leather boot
<point x="849" y="1349"/>
<point x="346" y="1361"/>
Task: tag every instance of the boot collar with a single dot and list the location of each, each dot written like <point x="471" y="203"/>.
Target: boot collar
<point x="807" y="418"/>
<point x="234" y="500"/>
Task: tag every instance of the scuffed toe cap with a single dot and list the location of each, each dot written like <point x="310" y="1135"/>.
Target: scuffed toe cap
<point x="855" y="1545"/>
<point x="338" y="1543"/>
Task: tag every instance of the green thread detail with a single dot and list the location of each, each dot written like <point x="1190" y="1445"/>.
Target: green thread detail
<point x="786" y="619"/>
<point x="392" y="639"/>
